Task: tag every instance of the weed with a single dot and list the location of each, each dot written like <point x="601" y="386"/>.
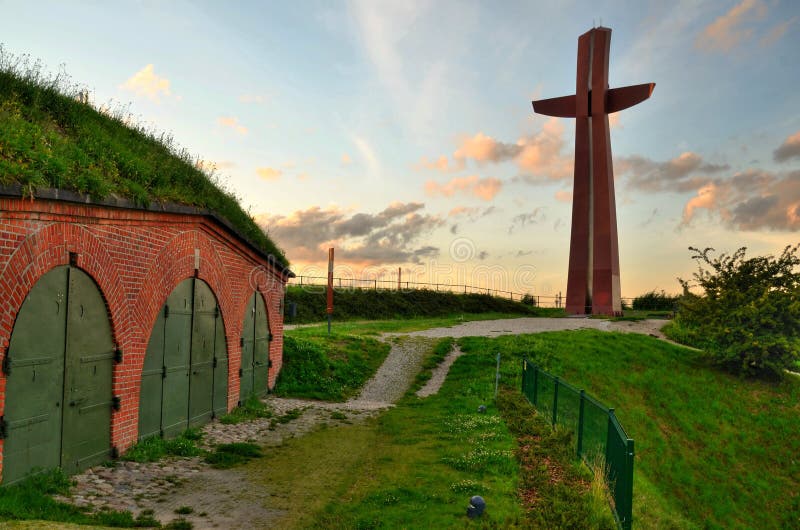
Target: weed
<point x="252" y="409"/>
<point x="233" y="454"/>
<point x="179" y="524"/>
<point x="184" y="510"/>
<point x="154" y="448"/>
<point x="336" y="415"/>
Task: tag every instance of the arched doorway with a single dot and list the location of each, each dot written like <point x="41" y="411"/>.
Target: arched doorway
<point x="185" y="373"/>
<point x="59" y="366"/>
<point x="255" y="349"/>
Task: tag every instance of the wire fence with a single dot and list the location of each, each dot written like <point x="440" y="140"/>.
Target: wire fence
<point x="312" y="282"/>
<point x="600" y="437"/>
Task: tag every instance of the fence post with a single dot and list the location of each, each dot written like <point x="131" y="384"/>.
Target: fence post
<point x="535" y="383"/>
<point x="524" y="375"/>
<point x="555" y="401"/>
<point x="627" y="516"/>
<point x="580" y="424"/>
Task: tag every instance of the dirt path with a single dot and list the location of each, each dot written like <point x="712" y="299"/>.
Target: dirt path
<point x="227" y="498"/>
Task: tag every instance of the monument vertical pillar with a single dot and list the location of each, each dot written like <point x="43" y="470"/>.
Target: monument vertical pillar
<point x="593" y="280"/>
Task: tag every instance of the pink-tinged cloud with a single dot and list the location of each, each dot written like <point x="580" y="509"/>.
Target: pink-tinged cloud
<point x="391" y="236"/>
<point x="440" y="164"/>
<point x="538" y="156"/>
<point x="232" y="123"/>
<point x="146" y="83"/>
<point x="750" y="200"/>
<point x="564" y="196"/>
<point x="346" y="160"/>
<point x="775" y="34"/>
<point x="790" y="148"/>
<point x="210" y="166"/>
<point x="686" y="172"/>
<point x="732" y="28"/>
<point x="269" y="174"/>
<point x="613" y="121"/>
<point x="484" y="189"/>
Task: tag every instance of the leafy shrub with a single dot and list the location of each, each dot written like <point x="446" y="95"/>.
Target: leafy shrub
<point x="655" y="301"/>
<point x="748" y="317"/>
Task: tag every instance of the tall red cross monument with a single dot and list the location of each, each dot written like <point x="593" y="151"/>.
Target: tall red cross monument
<point x="593" y="279"/>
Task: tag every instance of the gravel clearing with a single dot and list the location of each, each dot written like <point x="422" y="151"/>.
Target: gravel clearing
<point x="518" y="326"/>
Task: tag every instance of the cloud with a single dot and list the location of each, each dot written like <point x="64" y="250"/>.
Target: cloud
<point x="257" y="99"/>
<point x="368" y="154"/>
<point x="775" y="34"/>
<point x="790" y="148"/>
<point x="613" y="121"/>
<point x="564" y="196"/>
<point x="484" y="189"/>
<point x="750" y="200"/>
<point x="526" y="219"/>
<point x="732" y="28"/>
<point x="269" y="174"/>
<point x="472" y="214"/>
<point x="346" y="160"/>
<point x="232" y="123"/>
<point x="146" y="83"/>
<point x="539" y="156"/>
<point x="679" y="174"/>
<point x="440" y="164"/>
<point x="388" y="237"/>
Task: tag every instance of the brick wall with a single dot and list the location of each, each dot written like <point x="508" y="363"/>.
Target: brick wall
<point x="137" y="257"/>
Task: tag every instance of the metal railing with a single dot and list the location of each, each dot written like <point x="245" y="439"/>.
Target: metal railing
<point x="556" y="301"/>
<point x="375" y="284"/>
<point x="600" y="437"/>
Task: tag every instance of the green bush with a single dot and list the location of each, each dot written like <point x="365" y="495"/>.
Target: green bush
<point x="655" y="301"/>
<point x="748" y="317"/>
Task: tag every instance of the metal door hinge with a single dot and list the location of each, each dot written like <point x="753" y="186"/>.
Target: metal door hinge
<point x="6" y="363"/>
<point x="116" y="403"/>
<point x="270" y="337"/>
<point x="241" y="373"/>
<point x="3" y="428"/>
<point x="114" y="452"/>
<point x="214" y="364"/>
<point x="216" y="311"/>
<point x="241" y="342"/>
<point x="117" y="355"/>
<point x="269" y="363"/>
<point x="163" y="372"/>
<point x="166" y="311"/>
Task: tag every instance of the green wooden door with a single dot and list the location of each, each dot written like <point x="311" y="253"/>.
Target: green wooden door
<point x="204" y="326"/>
<point x="177" y="358"/>
<point x="255" y="349"/>
<point x="86" y="438"/>
<point x="185" y="372"/>
<point x="261" y="349"/>
<point x="248" y="344"/>
<point x="58" y="387"/>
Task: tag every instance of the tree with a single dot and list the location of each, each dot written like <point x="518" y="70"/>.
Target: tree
<point x="748" y="316"/>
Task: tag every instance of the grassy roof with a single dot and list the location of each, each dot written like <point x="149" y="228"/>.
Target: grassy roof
<point x="51" y="137"/>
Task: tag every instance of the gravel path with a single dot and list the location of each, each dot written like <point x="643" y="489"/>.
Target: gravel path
<point x="439" y="374"/>
<point x="517" y="326"/>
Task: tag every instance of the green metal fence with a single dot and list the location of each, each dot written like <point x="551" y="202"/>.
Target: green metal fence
<point x="600" y="437"/>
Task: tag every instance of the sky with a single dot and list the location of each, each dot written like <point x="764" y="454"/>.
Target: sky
<point x="402" y="134"/>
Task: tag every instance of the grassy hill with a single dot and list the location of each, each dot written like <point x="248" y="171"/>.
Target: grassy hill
<point x="51" y="138"/>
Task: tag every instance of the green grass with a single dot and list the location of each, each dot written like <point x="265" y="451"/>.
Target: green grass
<point x="48" y="139"/>
<point x="713" y="450"/>
<point x="31" y="500"/>
<point x="434" y="358"/>
<point x="351" y="304"/>
<point x="330" y="367"/>
<point x="252" y="409"/>
<point x="154" y="448"/>
<point x="229" y="455"/>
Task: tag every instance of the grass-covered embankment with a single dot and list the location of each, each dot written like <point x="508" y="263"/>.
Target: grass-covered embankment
<point x="712" y="450"/>
<point x="50" y="139"/>
<point x="417" y="464"/>
<point x="350" y="304"/>
<point x="329" y="367"/>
